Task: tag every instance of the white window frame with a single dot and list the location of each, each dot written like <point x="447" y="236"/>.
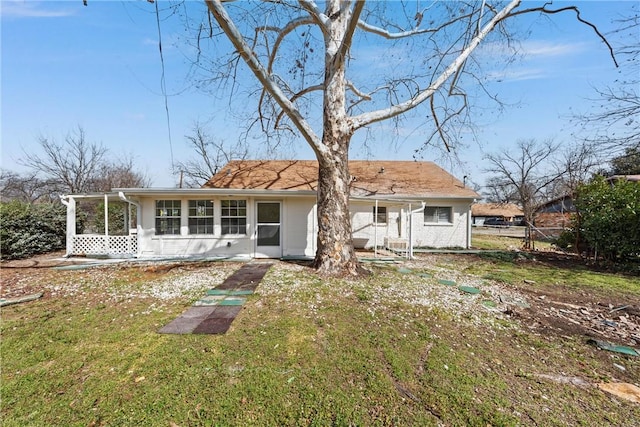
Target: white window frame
<point x="204" y="210"/>
<point x="381" y="210"/>
<point x="226" y="215"/>
<point x="168" y="213"/>
<point x="436" y="214"/>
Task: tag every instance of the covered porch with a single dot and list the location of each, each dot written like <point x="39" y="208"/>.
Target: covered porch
<point x="115" y="239"/>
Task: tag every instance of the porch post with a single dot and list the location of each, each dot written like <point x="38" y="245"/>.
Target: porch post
<point x="106" y="214"/>
<point x="375" y="232"/>
<point x="410" y="248"/>
<point x="106" y="223"/>
<point x="70" y="203"/>
<point x="127" y="215"/>
<point x="469" y="229"/>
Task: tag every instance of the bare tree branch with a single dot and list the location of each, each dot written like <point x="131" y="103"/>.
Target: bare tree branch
<point x="525" y="171"/>
<point x="375" y="116"/>
<point x="210" y="156"/>
<point x="72" y="164"/>
<point x="575" y="9"/>
<point x="227" y="25"/>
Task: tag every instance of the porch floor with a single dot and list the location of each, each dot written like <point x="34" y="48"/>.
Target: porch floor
<point x="214" y="313"/>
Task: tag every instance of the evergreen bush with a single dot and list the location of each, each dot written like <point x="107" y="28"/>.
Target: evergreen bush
<point x="31" y="229"/>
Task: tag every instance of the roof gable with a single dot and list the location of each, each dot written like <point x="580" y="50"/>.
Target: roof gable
<point x="369" y="178"/>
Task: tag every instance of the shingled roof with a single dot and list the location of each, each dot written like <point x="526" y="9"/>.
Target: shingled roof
<point x="369" y="178"/>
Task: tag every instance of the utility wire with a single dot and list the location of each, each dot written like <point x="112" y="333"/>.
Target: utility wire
<point x="163" y="85"/>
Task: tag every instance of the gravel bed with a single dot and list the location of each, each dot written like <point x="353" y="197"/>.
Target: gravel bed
<point x="389" y="288"/>
<point x="178" y="283"/>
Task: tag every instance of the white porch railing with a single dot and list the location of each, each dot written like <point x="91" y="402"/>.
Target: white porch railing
<point x="95" y="244"/>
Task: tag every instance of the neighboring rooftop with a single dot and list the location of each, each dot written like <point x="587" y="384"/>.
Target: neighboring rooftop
<point x="496" y="210"/>
<point x="632" y="178"/>
<point x="369" y="178"/>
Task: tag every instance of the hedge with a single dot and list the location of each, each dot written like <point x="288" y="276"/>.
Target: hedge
<point x="27" y="229"/>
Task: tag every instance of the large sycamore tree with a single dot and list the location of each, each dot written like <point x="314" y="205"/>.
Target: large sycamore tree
<point x="325" y="42"/>
<point x="312" y="62"/>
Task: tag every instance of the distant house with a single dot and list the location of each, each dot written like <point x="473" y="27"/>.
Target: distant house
<point x="267" y="209"/>
<point x="552" y="217"/>
<point x="632" y="178"/>
<point x="480" y="212"/>
<point x="555" y="215"/>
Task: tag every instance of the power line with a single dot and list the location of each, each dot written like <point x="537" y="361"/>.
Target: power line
<point x="163" y="85"/>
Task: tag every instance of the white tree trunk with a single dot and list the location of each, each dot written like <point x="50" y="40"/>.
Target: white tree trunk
<point x="335" y="254"/>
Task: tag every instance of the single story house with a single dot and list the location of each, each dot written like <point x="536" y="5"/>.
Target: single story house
<point x="267" y="209"/>
<point x="480" y="212"/>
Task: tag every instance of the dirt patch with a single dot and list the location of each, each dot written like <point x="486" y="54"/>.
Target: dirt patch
<point x="614" y="319"/>
<point x="53" y="259"/>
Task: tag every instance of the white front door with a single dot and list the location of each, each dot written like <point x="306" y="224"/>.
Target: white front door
<point x="268" y="230"/>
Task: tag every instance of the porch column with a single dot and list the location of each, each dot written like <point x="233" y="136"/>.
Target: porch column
<point x="106" y="215"/>
<point x="127" y="215"/>
<point x="71" y="222"/>
<point x="410" y="248"/>
<point x="375" y="232"/>
<point x="469" y="229"/>
<point x="106" y="224"/>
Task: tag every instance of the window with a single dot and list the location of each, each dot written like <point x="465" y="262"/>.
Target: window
<point x="381" y="217"/>
<point x="233" y="216"/>
<point x="200" y="217"/>
<point x="167" y="216"/>
<point x="438" y="215"/>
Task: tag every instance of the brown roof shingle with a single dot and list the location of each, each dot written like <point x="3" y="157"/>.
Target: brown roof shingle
<point x="496" y="209"/>
<point x="370" y="178"/>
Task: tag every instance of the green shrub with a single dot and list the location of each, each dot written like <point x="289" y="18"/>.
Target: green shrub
<point x="28" y="230"/>
<point x="117" y="214"/>
<point x="609" y="219"/>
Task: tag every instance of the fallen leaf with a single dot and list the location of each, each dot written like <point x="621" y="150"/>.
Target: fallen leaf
<point x="623" y="390"/>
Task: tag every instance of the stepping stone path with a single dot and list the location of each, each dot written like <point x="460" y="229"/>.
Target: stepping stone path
<point x="214" y="313"/>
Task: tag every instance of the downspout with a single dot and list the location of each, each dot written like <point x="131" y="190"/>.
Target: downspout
<point x="136" y="204"/>
<point x="469" y="225"/>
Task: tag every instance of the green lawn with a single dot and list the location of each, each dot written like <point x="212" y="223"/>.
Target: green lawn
<point x="505" y="243"/>
<point x="392" y="349"/>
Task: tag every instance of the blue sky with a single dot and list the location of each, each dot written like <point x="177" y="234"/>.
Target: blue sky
<point x="65" y="65"/>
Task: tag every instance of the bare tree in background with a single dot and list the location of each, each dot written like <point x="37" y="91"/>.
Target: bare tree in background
<point x="614" y="124"/>
<point x="75" y="166"/>
<point x="72" y="165"/>
<point x="210" y="155"/>
<point x="577" y="164"/>
<point x="499" y="190"/>
<point x="528" y="170"/>
<point x="27" y="188"/>
<point x="120" y="173"/>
